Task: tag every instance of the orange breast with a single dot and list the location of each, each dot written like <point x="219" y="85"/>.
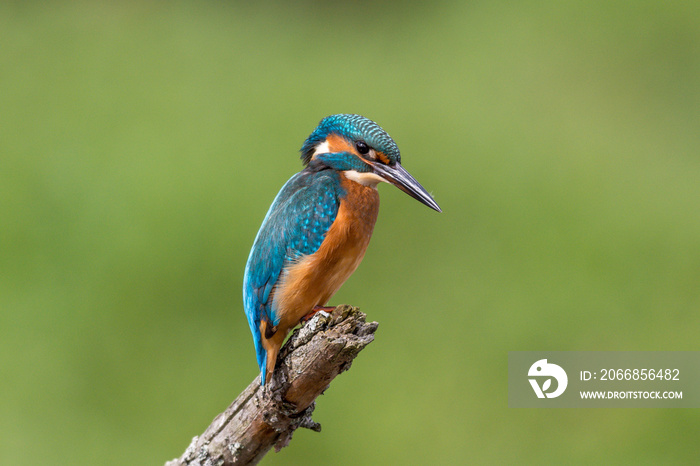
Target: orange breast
<point x="313" y="280"/>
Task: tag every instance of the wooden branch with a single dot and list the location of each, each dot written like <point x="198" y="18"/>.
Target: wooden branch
<point x="262" y="417"/>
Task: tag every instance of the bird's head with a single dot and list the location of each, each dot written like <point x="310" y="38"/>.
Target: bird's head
<point x="365" y="153"/>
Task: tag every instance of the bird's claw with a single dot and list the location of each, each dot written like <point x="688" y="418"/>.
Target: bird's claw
<point x="325" y="309"/>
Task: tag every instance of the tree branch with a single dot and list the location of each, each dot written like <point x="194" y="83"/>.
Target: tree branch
<point x="265" y="416"/>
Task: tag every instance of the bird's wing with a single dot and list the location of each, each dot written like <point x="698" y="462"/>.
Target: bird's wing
<point x="295" y="226"/>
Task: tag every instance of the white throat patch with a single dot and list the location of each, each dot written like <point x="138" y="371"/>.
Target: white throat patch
<point x="365" y="179"/>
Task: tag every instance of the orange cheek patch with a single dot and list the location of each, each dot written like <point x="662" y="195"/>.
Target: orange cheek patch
<point x="340" y="144"/>
<point x="383" y="158"/>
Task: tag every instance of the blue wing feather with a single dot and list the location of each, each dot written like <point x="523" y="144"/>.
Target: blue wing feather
<point x="295" y="226"/>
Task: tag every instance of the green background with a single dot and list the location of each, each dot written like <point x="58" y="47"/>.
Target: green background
<point x="142" y="142"/>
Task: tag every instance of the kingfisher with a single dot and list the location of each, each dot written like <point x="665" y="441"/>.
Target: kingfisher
<point x="317" y="229"/>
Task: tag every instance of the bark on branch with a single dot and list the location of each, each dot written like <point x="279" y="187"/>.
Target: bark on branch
<point x="264" y="417"/>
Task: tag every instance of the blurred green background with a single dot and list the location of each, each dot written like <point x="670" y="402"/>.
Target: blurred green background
<point x="142" y="142"/>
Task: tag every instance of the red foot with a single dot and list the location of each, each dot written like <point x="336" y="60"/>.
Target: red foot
<point x="308" y="316"/>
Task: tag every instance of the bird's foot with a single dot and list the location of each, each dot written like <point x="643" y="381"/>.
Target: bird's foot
<point x="326" y="309"/>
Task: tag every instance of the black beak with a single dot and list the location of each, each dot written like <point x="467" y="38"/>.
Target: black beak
<point x="399" y="177"/>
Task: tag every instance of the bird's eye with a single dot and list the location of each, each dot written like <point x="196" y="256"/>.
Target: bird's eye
<point x="362" y="147"/>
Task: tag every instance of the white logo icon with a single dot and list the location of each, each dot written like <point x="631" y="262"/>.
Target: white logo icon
<point x="543" y="369"/>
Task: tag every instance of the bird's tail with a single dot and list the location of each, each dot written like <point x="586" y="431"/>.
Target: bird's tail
<point x="262" y="363"/>
<point x="260" y="351"/>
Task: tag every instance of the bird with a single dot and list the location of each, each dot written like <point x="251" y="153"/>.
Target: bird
<point x="318" y="227"/>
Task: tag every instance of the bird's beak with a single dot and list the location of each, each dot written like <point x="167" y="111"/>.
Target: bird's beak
<point x="399" y="177"/>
